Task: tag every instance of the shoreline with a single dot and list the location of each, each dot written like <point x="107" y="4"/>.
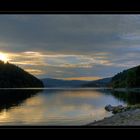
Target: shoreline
<point x="121" y="119"/>
<point x="126" y="89"/>
<point x="130" y="117"/>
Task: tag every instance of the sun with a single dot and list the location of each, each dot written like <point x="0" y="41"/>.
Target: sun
<point x="3" y="57"/>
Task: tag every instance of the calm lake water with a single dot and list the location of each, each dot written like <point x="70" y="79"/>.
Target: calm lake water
<point x="59" y="106"/>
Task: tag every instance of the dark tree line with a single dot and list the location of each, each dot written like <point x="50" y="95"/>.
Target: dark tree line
<point x="130" y="98"/>
<point x="128" y="78"/>
<point x="11" y="98"/>
<point x="12" y="76"/>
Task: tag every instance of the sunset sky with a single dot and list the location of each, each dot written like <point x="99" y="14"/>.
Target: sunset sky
<point x="85" y="47"/>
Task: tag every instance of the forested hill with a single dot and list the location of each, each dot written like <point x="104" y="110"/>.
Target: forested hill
<point x="12" y="76"/>
<point x="128" y="78"/>
<point x="98" y="83"/>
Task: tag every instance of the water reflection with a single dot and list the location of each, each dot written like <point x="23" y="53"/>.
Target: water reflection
<point x="59" y="107"/>
<point x="130" y="98"/>
<point x="11" y="98"/>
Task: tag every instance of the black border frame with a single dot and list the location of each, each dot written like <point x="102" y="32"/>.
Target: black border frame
<point x="100" y="7"/>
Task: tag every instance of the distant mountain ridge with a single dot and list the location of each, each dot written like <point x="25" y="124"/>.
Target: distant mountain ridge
<point x="49" y="82"/>
<point x="98" y="83"/>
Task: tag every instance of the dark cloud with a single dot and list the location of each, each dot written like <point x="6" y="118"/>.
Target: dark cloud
<point x="81" y="37"/>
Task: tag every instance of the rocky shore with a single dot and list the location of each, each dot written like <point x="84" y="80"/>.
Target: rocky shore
<point x="124" y="116"/>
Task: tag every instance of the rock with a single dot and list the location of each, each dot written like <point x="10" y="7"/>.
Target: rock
<point x="115" y="109"/>
<point x="109" y="108"/>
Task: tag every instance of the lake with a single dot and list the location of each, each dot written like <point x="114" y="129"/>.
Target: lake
<point x="64" y="106"/>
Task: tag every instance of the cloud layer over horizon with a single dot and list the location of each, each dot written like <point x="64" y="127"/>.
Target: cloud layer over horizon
<point x="68" y="46"/>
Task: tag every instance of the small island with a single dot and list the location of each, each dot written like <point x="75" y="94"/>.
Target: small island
<point x="12" y="76"/>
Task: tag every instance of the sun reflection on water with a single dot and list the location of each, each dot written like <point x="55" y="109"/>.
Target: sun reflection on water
<point x="61" y="108"/>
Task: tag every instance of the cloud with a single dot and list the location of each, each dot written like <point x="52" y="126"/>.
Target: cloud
<point x="35" y="71"/>
<point x="81" y="45"/>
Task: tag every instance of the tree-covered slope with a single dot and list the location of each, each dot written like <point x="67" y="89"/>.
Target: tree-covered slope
<point x="128" y="78"/>
<point x="11" y="76"/>
<point x="98" y="83"/>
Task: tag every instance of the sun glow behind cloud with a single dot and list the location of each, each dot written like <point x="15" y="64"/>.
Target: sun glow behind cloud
<point x="4" y="57"/>
<point x="38" y="62"/>
<point x="62" y="66"/>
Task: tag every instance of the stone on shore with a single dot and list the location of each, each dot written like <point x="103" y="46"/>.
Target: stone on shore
<point x="115" y="109"/>
<point x="130" y="117"/>
<point x="124" y="115"/>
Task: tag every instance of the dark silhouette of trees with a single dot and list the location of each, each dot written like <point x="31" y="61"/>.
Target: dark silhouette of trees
<point x="128" y="78"/>
<point x="12" y="76"/>
<point x="11" y="98"/>
<point x="130" y="98"/>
